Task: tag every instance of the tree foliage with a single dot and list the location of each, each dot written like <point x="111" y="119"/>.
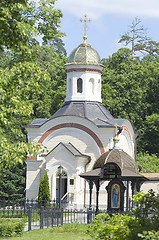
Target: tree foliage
<point x="12" y="182"/>
<point x="148" y="210"/>
<point x="130" y="90"/>
<point x="147" y="162"/>
<point x="21" y="79"/>
<point x="53" y="92"/>
<point x="22" y="20"/>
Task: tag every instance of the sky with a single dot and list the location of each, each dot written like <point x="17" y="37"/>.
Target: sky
<point x="110" y="19"/>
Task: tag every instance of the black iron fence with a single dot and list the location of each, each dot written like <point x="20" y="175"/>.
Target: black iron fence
<point x="49" y="217"/>
<point x="41" y="214"/>
<point x="16" y="208"/>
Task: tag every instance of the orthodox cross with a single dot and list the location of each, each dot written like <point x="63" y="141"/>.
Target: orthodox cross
<point x="85" y="20"/>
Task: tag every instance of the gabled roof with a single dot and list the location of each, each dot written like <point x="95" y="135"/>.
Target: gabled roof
<point x="73" y="150"/>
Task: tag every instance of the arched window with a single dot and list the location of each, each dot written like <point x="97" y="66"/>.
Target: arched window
<point x="91" y="84"/>
<point x="70" y="86"/>
<point x="79" y="85"/>
<point x="99" y="86"/>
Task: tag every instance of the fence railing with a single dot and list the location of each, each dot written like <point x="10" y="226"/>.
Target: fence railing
<point x="14" y="208"/>
<point x="49" y="217"/>
<point x="40" y="214"/>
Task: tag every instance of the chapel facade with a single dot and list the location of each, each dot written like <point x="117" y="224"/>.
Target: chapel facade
<point x="78" y="134"/>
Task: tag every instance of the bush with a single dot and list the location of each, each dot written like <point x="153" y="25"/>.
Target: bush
<point x="105" y="227"/>
<point x="11" y="227"/>
<point x="44" y="191"/>
<point x="147" y="211"/>
<point x="149" y="235"/>
<point x="144" y="224"/>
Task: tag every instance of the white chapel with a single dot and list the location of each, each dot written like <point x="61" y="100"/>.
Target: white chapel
<point x="78" y="134"/>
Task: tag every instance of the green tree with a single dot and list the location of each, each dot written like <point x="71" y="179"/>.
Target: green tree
<point x="124" y="87"/>
<point x="20" y="22"/>
<point x="53" y="92"/>
<point x="130" y="90"/>
<point x="44" y="189"/>
<point x="14" y="103"/>
<point x="148" y="163"/>
<point x="40" y="193"/>
<point x="150" y="141"/>
<point x="12" y="182"/>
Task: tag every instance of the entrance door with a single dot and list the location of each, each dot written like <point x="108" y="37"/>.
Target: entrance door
<point x="64" y="186"/>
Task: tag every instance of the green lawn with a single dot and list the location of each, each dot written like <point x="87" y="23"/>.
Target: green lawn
<point x="50" y="234"/>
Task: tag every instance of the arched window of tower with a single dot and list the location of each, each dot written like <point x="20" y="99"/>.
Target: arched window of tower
<point x="91" y="84"/>
<point x="99" y="87"/>
<point x="70" y="86"/>
<point x="79" y="85"/>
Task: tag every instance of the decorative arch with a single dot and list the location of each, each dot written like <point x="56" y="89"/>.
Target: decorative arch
<point x="74" y="125"/>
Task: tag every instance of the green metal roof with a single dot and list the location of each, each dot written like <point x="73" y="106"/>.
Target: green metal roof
<point x="84" y="54"/>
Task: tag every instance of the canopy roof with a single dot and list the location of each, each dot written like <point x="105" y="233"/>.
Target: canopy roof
<point x="114" y="164"/>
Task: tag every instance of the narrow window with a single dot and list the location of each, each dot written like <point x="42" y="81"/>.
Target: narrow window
<point x="70" y="86"/>
<point x="79" y="85"/>
<point x="91" y="84"/>
<point x="99" y="86"/>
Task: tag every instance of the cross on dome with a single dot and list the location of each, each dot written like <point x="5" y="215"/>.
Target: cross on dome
<point x="85" y="20"/>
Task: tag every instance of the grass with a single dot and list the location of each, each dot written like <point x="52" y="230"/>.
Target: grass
<point x="66" y="232"/>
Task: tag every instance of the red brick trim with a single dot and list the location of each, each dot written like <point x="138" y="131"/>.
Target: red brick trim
<point x="31" y="158"/>
<point x="74" y="125"/>
<point x="126" y="130"/>
<point x="84" y="70"/>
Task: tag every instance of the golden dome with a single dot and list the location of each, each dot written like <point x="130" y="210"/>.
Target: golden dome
<point x="84" y="54"/>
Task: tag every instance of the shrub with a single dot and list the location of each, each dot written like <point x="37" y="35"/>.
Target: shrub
<point x="11" y="227"/>
<point x="44" y="191"/>
<point x="123" y="227"/>
<point x="105" y="227"/>
<point x="147" y="211"/>
<point x="150" y="235"/>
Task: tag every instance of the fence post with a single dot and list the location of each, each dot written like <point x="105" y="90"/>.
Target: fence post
<point x="89" y="215"/>
<point x="61" y="216"/>
<point x="41" y="217"/>
<point x="29" y="222"/>
<point x="24" y="207"/>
